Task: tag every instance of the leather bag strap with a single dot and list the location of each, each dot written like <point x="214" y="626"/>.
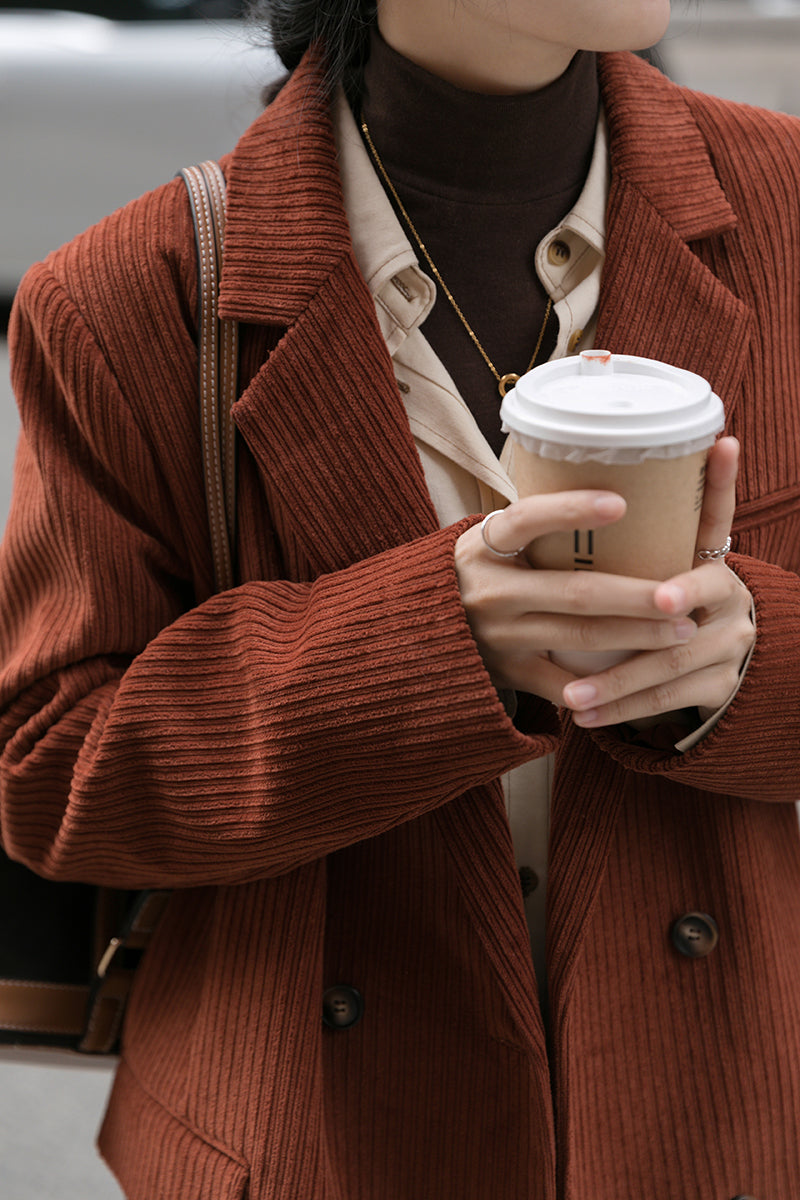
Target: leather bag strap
<point x="218" y="351"/>
<point x="219" y="354"/>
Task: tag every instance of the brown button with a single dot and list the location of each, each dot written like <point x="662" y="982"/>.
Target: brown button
<point x="342" y="1007"/>
<point x="529" y="881"/>
<point x="695" y="934"/>
<point x="575" y="341"/>
<point x="558" y="253"/>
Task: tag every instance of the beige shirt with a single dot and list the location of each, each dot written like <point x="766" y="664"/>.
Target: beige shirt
<point x="462" y="472"/>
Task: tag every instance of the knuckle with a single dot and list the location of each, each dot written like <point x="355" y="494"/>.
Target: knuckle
<point x="486" y="606"/>
<point x="573" y="510"/>
<point x="717" y="696"/>
<point x="619" y="683"/>
<point x="729" y="678"/>
<point x="584" y="633"/>
<point x="514" y="525"/>
<point x="730" y="686"/>
<point x="745" y="632"/>
<point x="479" y="598"/>
<point x="524" y="519"/>
<point x="577" y="591"/>
<point x="666" y="696"/>
<point x="681" y="659"/>
<point x="678" y="662"/>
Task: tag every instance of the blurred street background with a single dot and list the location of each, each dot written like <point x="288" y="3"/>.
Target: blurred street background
<point x="77" y="139"/>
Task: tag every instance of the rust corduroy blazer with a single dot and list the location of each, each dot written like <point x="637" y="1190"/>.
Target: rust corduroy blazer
<point x="311" y="759"/>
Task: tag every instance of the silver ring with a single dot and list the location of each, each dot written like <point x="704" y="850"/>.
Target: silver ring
<point x="714" y="555"/>
<point x="488" y="544"/>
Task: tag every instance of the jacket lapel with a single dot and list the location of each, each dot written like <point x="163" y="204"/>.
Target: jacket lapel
<point x="475" y="831"/>
<point x="658" y="300"/>
<point x="324" y="421"/>
<point x="666" y="214"/>
<point x="323" y="417"/>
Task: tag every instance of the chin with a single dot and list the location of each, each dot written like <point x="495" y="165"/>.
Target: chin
<point x="655" y="17"/>
<point x="637" y="25"/>
<point x="617" y="25"/>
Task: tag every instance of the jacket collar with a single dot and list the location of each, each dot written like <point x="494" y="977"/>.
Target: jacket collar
<point x="651" y="126"/>
<point x="287" y="228"/>
<point x="666" y="206"/>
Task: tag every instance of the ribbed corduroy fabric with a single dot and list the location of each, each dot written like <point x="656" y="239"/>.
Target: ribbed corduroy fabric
<point x="310" y="759"/>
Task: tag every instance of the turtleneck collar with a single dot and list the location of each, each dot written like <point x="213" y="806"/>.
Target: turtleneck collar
<point x="499" y="148"/>
<point x="483" y="178"/>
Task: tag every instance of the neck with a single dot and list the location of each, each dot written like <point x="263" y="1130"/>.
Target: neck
<point x="471" y="54"/>
<point x="468" y="145"/>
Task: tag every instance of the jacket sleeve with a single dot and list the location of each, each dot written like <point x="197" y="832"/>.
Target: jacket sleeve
<point x="754" y="750"/>
<point x="151" y="741"/>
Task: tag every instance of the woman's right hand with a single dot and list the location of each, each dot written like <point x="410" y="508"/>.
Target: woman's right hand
<point x="518" y="614"/>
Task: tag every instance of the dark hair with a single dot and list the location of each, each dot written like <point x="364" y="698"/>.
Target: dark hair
<point x="341" y="27"/>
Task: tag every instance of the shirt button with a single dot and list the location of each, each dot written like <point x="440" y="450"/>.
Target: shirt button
<point x="695" y="934"/>
<point x="342" y="1007"/>
<point x="558" y="253"/>
<point x="574" y="341"/>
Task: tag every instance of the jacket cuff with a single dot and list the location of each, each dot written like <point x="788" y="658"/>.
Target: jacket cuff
<point x="745" y="751"/>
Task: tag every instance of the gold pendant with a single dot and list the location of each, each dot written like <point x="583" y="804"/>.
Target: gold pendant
<point x="507" y="381"/>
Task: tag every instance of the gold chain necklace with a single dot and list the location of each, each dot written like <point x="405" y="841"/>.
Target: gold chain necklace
<point x="504" y="382"/>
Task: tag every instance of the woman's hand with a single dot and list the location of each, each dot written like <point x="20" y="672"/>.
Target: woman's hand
<point x="518" y="614"/>
<point x="691" y="633"/>
<point x="703" y="672"/>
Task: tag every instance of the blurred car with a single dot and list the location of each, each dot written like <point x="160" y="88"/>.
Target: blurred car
<point x="99" y="105"/>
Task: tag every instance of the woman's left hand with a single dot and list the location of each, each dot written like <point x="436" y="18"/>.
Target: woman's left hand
<point x="704" y="671"/>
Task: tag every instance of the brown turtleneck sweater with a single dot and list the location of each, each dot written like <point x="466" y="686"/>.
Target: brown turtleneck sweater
<point x="484" y="178"/>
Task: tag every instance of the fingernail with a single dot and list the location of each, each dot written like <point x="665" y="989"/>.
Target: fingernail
<point x="609" y="506"/>
<point x="588" y="718"/>
<point x="684" y="630"/>
<point x="674" y="594"/>
<point x="579" y="694"/>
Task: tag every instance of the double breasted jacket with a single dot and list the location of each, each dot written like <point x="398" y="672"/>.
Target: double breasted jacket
<point x="311" y="760"/>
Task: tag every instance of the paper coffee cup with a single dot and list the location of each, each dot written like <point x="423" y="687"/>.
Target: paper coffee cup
<point x="630" y="425"/>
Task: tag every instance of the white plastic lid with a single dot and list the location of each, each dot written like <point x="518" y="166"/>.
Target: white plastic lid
<point x="598" y="400"/>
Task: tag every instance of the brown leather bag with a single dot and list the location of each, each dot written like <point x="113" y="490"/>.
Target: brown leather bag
<point x="69" y="951"/>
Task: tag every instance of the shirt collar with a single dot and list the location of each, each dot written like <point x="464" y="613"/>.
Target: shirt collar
<point x="404" y="294"/>
<point x="575" y="248"/>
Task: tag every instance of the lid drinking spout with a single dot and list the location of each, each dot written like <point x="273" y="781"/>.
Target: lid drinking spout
<point x="596" y="362"/>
